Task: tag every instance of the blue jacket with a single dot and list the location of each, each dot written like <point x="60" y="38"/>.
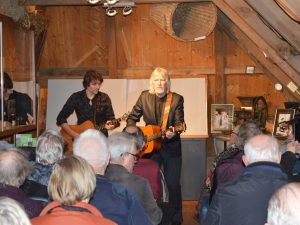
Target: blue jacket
<point x="245" y="201"/>
<point x="115" y="202"/>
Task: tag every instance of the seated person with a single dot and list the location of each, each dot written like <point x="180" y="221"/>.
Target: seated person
<point x="71" y="186"/>
<point x="114" y="201"/>
<point x="290" y="150"/>
<point x="124" y="152"/>
<point x="14" y="168"/>
<point x="12" y="213"/>
<point x="245" y="200"/>
<point x="229" y="163"/>
<point x="146" y="168"/>
<point x="49" y="150"/>
<point x="284" y="206"/>
<point x="22" y="102"/>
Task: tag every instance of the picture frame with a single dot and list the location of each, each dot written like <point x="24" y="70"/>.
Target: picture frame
<point x="221" y="118"/>
<point x="282" y="116"/>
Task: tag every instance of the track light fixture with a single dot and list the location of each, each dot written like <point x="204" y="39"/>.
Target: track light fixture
<point x="93" y="1"/>
<point x="127" y="10"/>
<point x="111" y="12"/>
<point x="111" y="2"/>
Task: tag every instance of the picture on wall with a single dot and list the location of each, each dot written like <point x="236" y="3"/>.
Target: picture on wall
<point x="221" y="117"/>
<point x="282" y="116"/>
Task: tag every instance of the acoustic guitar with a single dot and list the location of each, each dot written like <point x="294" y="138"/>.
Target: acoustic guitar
<point x="83" y="127"/>
<point x="153" y="136"/>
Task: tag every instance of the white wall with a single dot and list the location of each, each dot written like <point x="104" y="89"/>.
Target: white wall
<point x="124" y="94"/>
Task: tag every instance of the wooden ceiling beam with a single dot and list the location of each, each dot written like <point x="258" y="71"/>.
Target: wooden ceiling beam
<point x="85" y="2"/>
<point x="274" y="72"/>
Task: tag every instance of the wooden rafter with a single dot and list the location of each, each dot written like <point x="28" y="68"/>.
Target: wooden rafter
<point x="85" y="2"/>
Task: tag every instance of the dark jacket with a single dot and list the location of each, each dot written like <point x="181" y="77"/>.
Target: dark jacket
<point x="115" y="202"/>
<point x="245" y="201"/>
<point x="139" y="186"/>
<point x="36" y="184"/>
<point x="32" y="207"/>
<point x="146" y="106"/>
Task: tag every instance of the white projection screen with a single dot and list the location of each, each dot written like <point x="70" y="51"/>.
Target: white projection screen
<point x="124" y="93"/>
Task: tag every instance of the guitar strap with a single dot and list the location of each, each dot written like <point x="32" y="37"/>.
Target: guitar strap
<point x="166" y="111"/>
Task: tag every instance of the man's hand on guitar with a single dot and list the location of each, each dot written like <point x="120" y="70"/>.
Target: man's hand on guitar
<point x="170" y="134"/>
<point x="109" y="125"/>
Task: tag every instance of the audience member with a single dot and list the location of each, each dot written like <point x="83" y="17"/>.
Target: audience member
<point x="290" y="155"/>
<point x="12" y="213"/>
<point x="147" y="168"/>
<point x="229" y="163"/>
<point x="245" y="200"/>
<point x="49" y="150"/>
<point x="284" y="206"/>
<point x="113" y="200"/>
<point x="124" y="152"/>
<point x="71" y="186"/>
<point x="14" y="168"/>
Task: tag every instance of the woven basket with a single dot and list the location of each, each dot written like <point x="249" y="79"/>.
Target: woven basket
<point x="185" y="21"/>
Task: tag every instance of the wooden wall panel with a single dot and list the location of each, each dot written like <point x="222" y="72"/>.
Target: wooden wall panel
<point x="150" y="46"/>
<point x="75" y="38"/>
<point x="254" y="85"/>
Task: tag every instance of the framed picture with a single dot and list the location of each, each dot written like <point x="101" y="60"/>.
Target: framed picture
<point x="282" y="116"/>
<point x="221" y="117"/>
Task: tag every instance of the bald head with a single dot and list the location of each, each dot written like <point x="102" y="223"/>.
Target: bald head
<point x="261" y="148"/>
<point x="284" y="206"/>
<point x="92" y="146"/>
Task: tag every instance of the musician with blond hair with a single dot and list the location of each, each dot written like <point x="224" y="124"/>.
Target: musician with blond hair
<point x="161" y="107"/>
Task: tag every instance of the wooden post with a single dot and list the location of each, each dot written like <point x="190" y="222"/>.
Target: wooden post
<point x="220" y="80"/>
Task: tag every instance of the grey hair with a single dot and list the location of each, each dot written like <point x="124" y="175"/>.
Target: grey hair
<point x="246" y="131"/>
<point x="262" y="148"/>
<point x="92" y="146"/>
<point x="284" y="206"/>
<point x="14" y="167"/>
<point x="120" y="143"/>
<point x="165" y="74"/>
<point x="12" y="213"/>
<point x="50" y="147"/>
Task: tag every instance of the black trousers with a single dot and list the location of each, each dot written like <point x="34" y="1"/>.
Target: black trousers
<point x="172" y="211"/>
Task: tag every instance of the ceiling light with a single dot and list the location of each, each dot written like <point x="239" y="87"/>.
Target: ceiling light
<point x="111" y="2"/>
<point x="111" y="12"/>
<point x="127" y="10"/>
<point x="93" y="1"/>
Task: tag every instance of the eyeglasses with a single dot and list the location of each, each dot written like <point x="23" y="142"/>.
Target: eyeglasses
<point x="136" y="156"/>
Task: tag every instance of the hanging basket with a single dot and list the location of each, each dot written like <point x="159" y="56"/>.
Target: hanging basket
<point x="185" y="21"/>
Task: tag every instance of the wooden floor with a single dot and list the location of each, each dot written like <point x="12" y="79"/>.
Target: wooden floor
<point x="190" y="209"/>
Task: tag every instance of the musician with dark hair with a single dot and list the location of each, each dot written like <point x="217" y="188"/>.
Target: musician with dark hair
<point x="89" y="104"/>
<point x="165" y="109"/>
<point x="16" y="104"/>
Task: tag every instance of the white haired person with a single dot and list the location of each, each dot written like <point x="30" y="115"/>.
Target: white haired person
<point x="114" y="201"/>
<point x="12" y="213"/>
<point x="245" y="200"/>
<point x="14" y="168"/>
<point x="124" y="154"/>
<point x="49" y="149"/>
<point x="161" y="107"/>
<point x="284" y="206"/>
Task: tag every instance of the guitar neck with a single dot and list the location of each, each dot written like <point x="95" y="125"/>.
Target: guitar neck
<point x="113" y="122"/>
